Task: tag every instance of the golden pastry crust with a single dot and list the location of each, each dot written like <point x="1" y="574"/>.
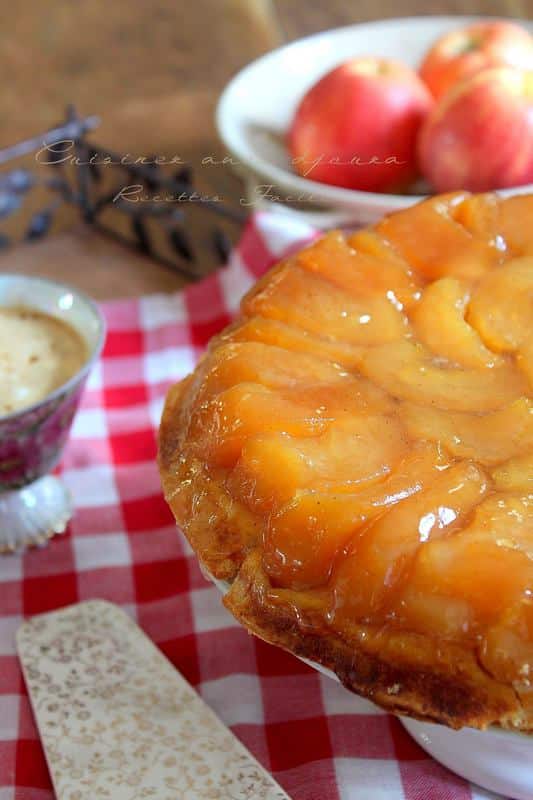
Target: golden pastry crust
<point x="246" y="399"/>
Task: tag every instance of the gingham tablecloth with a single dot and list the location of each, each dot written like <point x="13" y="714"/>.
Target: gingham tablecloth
<point x="319" y="741"/>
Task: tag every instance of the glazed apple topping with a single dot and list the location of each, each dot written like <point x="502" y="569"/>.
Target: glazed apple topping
<point x="372" y="411"/>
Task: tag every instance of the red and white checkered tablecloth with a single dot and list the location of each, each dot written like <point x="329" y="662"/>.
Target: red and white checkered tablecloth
<point x="319" y="741"/>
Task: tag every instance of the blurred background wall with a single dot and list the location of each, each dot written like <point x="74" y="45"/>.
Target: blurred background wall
<point x="130" y="61"/>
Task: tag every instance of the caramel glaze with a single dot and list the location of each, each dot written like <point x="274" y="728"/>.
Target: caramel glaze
<point x="371" y="413"/>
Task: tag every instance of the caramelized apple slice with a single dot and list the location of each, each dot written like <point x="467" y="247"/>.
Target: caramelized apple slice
<point x="351" y="453"/>
<point x="502" y="220"/>
<point x="513" y="223"/>
<point x="448" y="617"/>
<point x="255" y="480"/>
<point x="221" y="426"/>
<point x="431" y="241"/>
<point x="354" y="451"/>
<point x="515" y="475"/>
<point x="254" y="362"/>
<point x="479" y="214"/>
<point x="271" y="331"/>
<point x="304" y="537"/>
<point x="360" y="273"/>
<point x="452" y="338"/>
<point x="341" y="400"/>
<point x="524" y="360"/>
<point x="488" y="439"/>
<point x="376" y="561"/>
<point x="226" y="418"/>
<point x="405" y="370"/>
<point x="487" y="565"/>
<point x="369" y="242"/>
<point x="507" y="518"/>
<point x="299" y="298"/>
<point x="501" y="306"/>
<point x="469" y="569"/>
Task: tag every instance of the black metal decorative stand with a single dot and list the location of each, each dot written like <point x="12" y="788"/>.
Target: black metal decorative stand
<point x="153" y="203"/>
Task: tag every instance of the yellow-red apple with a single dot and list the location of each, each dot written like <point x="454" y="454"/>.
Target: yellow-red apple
<point x="461" y="53"/>
<point x="480" y="135"/>
<point x="357" y="126"/>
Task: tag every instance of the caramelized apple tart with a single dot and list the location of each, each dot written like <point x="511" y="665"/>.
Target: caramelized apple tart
<point x="354" y="456"/>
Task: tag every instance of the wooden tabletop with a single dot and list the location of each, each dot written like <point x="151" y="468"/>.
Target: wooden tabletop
<point x="152" y="71"/>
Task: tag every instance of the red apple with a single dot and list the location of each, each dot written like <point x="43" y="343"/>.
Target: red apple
<point x="480" y="135"/>
<point x="357" y="126"/>
<point x="461" y="53"/>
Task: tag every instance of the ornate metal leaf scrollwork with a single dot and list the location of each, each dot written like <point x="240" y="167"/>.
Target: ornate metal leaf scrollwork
<point x="93" y="181"/>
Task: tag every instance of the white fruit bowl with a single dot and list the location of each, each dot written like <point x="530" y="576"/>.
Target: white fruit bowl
<point x="496" y="759"/>
<point x="255" y="110"/>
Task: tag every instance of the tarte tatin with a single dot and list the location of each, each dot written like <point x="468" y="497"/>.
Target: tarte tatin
<point x="354" y="455"/>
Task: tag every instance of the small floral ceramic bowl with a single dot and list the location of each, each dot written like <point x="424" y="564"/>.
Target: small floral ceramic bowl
<point x="35" y="505"/>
